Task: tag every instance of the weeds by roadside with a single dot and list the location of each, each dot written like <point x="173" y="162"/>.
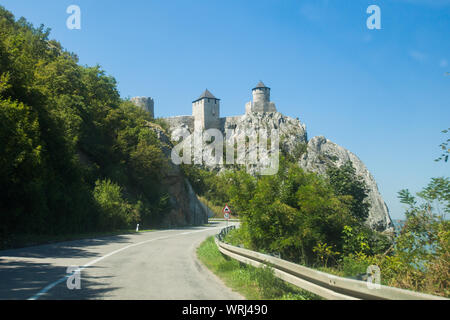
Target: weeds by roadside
<point x="253" y="283"/>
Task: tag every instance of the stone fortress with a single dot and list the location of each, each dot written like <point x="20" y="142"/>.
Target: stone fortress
<point x="206" y="110"/>
<point x="261" y="113"/>
<point x="146" y="103"/>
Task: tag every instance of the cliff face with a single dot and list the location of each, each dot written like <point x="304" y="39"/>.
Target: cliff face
<point x="314" y="155"/>
<point x="186" y="209"/>
<point x="292" y="130"/>
<point x="322" y="153"/>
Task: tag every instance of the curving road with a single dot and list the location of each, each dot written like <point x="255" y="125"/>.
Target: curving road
<point x="159" y="265"/>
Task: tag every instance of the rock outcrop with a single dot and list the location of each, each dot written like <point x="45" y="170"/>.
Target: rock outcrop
<point x="322" y="153"/>
<point x="186" y="208"/>
<point x="316" y="154"/>
<point x="242" y="132"/>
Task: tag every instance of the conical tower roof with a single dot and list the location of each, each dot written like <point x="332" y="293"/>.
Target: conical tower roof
<point x="260" y="85"/>
<point x="206" y="94"/>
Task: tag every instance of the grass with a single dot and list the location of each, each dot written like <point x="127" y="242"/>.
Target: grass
<point x="28" y="240"/>
<point x="253" y="283"/>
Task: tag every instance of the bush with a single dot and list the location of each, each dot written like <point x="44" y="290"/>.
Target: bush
<point x="115" y="212"/>
<point x="271" y="287"/>
<point x="353" y="265"/>
<point x="64" y="126"/>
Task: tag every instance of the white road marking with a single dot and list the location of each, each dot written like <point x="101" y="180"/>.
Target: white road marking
<point x="54" y="284"/>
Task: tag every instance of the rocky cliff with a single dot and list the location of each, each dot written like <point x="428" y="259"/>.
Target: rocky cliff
<point x="314" y="155"/>
<point x="186" y="209"/>
<point x="322" y="153"/>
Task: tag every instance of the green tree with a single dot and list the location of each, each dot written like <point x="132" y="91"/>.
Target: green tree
<point x="115" y="211"/>
<point x="289" y="213"/>
<point x="345" y="182"/>
<point x="445" y="148"/>
<point x="64" y="128"/>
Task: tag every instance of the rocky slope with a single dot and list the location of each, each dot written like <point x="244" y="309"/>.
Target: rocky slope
<point x="186" y="208"/>
<point x="314" y="155"/>
<point x="322" y="153"/>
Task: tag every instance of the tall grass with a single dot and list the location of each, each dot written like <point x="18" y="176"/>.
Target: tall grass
<point x="253" y="283"/>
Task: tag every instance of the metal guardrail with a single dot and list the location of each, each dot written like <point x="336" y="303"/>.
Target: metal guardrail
<point x="224" y="232"/>
<point x="325" y="285"/>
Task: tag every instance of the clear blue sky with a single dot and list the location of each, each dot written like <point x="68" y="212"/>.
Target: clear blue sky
<point x="382" y="94"/>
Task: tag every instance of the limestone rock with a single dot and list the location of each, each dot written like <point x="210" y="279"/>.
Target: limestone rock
<point x="322" y="153"/>
<point x="260" y="113"/>
<point x="291" y="131"/>
<point x="186" y="207"/>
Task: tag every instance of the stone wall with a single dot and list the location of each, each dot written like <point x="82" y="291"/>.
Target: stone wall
<point x="206" y="113"/>
<point x="179" y="121"/>
<point x="146" y="103"/>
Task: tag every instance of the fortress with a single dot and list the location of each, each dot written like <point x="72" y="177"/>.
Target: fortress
<point x="145" y="103"/>
<point x="261" y="113"/>
<point x="206" y="109"/>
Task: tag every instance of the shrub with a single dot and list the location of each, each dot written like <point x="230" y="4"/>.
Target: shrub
<point x="115" y="212"/>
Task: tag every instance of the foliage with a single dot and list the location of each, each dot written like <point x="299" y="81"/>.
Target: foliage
<point x="420" y="256"/>
<point x="288" y="213"/>
<point x="296" y="214"/>
<point x="253" y="283"/>
<point x="445" y="148"/>
<point x="116" y="213"/>
<point x="354" y="242"/>
<point x="345" y="182"/>
<point x="298" y="150"/>
<point x="324" y="252"/>
<point x="162" y="123"/>
<point x="64" y="127"/>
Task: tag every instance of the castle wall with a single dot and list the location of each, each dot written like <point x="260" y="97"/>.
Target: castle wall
<point x="175" y="122"/>
<point x="260" y="106"/>
<point x="206" y="112"/>
<point x="229" y="122"/>
<point x="146" y="103"/>
<point x="248" y="107"/>
<point x="270" y="107"/>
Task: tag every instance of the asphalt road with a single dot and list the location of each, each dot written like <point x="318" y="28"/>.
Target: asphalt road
<point x="159" y="265"/>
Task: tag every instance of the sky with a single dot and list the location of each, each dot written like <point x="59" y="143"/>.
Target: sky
<point x="381" y="93"/>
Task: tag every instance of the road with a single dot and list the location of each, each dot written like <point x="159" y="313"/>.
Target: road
<point x="158" y="265"/>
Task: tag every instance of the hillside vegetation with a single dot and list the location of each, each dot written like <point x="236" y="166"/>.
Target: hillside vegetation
<point x="75" y="157"/>
<point x="318" y="221"/>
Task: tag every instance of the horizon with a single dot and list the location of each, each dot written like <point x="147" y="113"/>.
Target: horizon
<point x="381" y="94"/>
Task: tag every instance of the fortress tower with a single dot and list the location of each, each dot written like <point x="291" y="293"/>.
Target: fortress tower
<point x="145" y="103"/>
<point x="206" y="111"/>
<point x="261" y="100"/>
